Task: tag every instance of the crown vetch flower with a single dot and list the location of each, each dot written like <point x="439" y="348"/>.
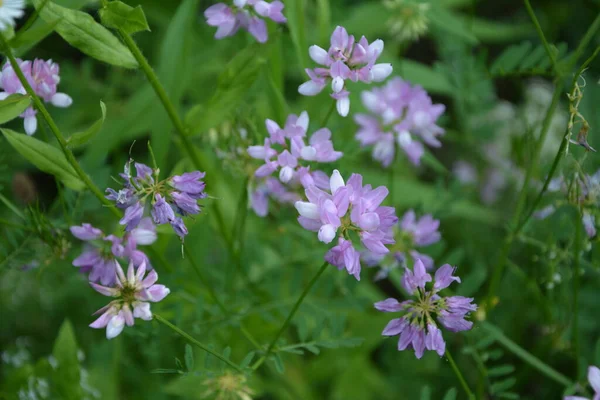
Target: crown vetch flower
<point x="10" y="10"/>
<point x="271" y="188"/>
<point x="133" y="294"/>
<point x="417" y="328"/>
<point x="43" y="76"/>
<point x="412" y="233"/>
<point x="345" y="59"/>
<point x="348" y="208"/>
<point x="244" y="14"/>
<point x="594" y="379"/>
<point x="402" y="113"/>
<point x="164" y="200"/>
<point x="101" y="251"/>
<point x="292" y="150"/>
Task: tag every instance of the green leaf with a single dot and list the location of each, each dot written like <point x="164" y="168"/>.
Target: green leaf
<point x="295" y="12"/>
<point x="278" y="363"/>
<point x="13" y="106"/>
<point x="81" y="31"/>
<point x="119" y="15"/>
<point x="426" y="393"/>
<point x="447" y="21"/>
<point x="32" y="36"/>
<point x="47" y="158"/>
<point x="496" y="32"/>
<point x="450" y="394"/>
<point x="501" y="370"/>
<point x="503" y="386"/>
<point x="421" y="74"/>
<point x="81" y="138"/>
<point x="189" y="358"/>
<point x="237" y="78"/>
<point x="66" y="377"/>
<point x="524" y="59"/>
<point x="247" y="359"/>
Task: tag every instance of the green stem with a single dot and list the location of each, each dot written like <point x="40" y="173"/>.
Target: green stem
<point x="514" y="223"/>
<point x="197" y="343"/>
<point x="540" y="33"/>
<point x="11" y="206"/>
<point x="460" y="377"/>
<point x="216" y="299"/>
<point x="14" y="225"/>
<point x="563" y="146"/>
<point x="576" y="277"/>
<point x="291" y="315"/>
<point x="54" y="128"/>
<point x="326" y="119"/>
<point x="525" y="355"/>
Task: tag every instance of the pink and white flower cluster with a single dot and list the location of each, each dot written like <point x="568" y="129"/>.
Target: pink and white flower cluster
<point x="417" y="328"/>
<point x="402" y="114"/>
<point x="348" y="208"/>
<point x="43" y="76"/>
<point x="345" y="59"/>
<point x="133" y="295"/>
<point x="244" y="14"/>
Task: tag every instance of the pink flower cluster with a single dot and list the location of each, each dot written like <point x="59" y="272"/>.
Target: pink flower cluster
<point x="402" y="113"/>
<point x="417" y="328"/>
<point x="348" y="208"/>
<point x="293" y="149"/>
<point x="244" y="14"/>
<point x="102" y="251"/>
<point x="43" y="76"/>
<point x="345" y="59"/>
<point x="133" y="295"/>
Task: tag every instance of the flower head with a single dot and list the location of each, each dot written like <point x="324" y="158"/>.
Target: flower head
<point x="132" y="295"/>
<point x="163" y="199"/>
<point x="409" y="19"/>
<point x="348" y="209"/>
<point x="271" y="188"/>
<point x="400" y="113"/>
<point x="594" y="379"/>
<point x="417" y="328"/>
<point x="345" y="60"/>
<point x="43" y="76"/>
<point x="285" y="150"/>
<point x="244" y="14"/>
<point x="9" y="11"/>
<point x="412" y="234"/>
<point x="101" y="251"/>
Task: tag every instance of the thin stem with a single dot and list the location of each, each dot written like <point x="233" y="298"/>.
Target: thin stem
<point x="460" y="377"/>
<point x="197" y="343"/>
<point x="540" y="33"/>
<point x="514" y="223"/>
<point x="576" y="278"/>
<point x="14" y="225"/>
<point x="216" y="299"/>
<point x="525" y="355"/>
<point x="54" y="128"/>
<point x="11" y="206"/>
<point x="563" y="145"/>
<point x="291" y="315"/>
<point x="326" y="119"/>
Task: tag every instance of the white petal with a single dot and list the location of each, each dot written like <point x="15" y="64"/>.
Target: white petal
<point x="286" y="174"/>
<point x="307" y="210"/>
<point x="303" y="121"/>
<point x="337" y="84"/>
<point x="370" y="100"/>
<point x="318" y="54"/>
<point x="326" y="233"/>
<point x="336" y="181"/>
<point x="308" y="153"/>
<point x="30" y="125"/>
<point x="343" y="106"/>
<point x="115" y="326"/>
<point x="61" y="100"/>
<point x="376" y="48"/>
<point x="404" y="139"/>
<point x="380" y="72"/>
<point x="3" y="95"/>
<point x="310" y="88"/>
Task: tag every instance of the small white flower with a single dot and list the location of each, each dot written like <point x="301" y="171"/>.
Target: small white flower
<point x="10" y="10"/>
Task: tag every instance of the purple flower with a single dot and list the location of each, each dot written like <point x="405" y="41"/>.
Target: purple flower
<point x="594" y="379"/>
<point x="99" y="254"/>
<point x="348" y="206"/>
<point x="417" y="328"/>
<point x="245" y="14"/>
<point x="271" y="188"/>
<point x="402" y="112"/>
<point x="142" y="195"/>
<point x="133" y="294"/>
<point x="293" y="150"/>
<point x="43" y="76"/>
<point x="424" y="231"/>
<point x="345" y="60"/>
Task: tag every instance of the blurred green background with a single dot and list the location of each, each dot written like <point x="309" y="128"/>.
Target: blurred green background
<point x="457" y="58"/>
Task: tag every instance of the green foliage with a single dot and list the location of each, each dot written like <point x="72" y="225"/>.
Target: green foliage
<point x="525" y="60"/>
<point x="81" y="138"/>
<point x="119" y="15"/>
<point x="13" y="106"/>
<point x="81" y="31"/>
<point x="45" y="157"/>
